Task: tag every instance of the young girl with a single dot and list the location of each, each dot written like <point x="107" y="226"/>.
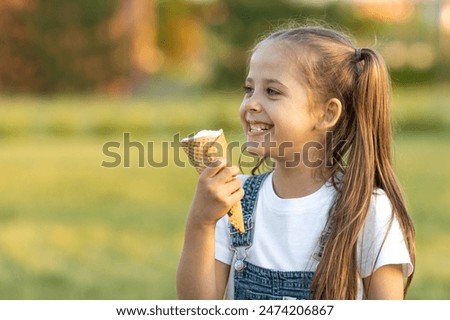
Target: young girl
<point x="329" y="221"/>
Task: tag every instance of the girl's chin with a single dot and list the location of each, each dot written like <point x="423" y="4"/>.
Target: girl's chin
<point x="263" y="139"/>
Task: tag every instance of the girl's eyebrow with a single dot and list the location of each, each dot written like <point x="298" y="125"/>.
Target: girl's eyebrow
<point x="268" y="81"/>
<point x="276" y="82"/>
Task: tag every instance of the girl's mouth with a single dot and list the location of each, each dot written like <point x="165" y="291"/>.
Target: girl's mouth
<point x="259" y="127"/>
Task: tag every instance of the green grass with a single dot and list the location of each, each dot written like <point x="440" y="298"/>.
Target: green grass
<point x="424" y="109"/>
<point x="424" y="170"/>
<point x="72" y="229"/>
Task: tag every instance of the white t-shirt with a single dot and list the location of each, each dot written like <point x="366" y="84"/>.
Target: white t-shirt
<point x="287" y="233"/>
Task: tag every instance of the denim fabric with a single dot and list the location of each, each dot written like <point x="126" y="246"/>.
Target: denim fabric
<point x="256" y="283"/>
<point x="248" y="202"/>
<point x="252" y="282"/>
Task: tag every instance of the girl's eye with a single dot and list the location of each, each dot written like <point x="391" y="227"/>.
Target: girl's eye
<point x="248" y="90"/>
<point x="272" y="92"/>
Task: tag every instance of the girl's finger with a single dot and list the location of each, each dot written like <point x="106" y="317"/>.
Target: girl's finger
<point x="214" y="167"/>
<point x="228" y="173"/>
<point x="235" y="197"/>
<point x="231" y="186"/>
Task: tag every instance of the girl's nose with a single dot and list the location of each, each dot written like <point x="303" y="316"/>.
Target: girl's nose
<point x="253" y="105"/>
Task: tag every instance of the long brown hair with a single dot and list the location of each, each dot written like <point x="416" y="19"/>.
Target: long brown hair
<point x="334" y="68"/>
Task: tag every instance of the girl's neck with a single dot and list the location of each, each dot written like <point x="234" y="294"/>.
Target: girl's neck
<point x="298" y="182"/>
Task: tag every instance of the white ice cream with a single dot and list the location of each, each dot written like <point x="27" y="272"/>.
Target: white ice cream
<point x="204" y="133"/>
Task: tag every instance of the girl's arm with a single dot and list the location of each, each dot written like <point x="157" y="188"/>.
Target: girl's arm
<point x="199" y="275"/>
<point x="222" y="273"/>
<point x="386" y="283"/>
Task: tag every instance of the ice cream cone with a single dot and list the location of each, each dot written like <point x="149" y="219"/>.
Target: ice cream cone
<point x="202" y="149"/>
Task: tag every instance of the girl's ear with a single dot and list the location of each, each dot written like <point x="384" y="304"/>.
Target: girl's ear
<point x="332" y="110"/>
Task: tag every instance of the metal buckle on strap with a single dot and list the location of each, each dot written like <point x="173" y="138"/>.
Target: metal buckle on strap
<point x="249" y="226"/>
<point x="241" y="255"/>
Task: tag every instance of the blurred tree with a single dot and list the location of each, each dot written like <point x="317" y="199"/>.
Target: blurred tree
<point x="239" y="30"/>
<point x="236" y="25"/>
<point x="51" y="46"/>
<point x="182" y="39"/>
<point x="113" y="46"/>
<point x="219" y="33"/>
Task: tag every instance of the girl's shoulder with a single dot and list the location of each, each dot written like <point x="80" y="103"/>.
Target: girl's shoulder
<point x="381" y="240"/>
<point x="381" y="209"/>
<point x="381" y="218"/>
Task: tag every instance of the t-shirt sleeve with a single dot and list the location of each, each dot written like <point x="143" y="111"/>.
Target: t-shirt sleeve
<point x="381" y="242"/>
<point x="223" y="251"/>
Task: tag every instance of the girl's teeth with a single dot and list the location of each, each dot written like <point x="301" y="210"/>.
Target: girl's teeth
<point x="259" y="127"/>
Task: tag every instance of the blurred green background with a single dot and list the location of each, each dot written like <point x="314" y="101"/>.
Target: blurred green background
<point x="77" y="75"/>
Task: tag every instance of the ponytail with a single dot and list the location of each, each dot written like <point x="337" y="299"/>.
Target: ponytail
<point x="369" y="166"/>
<point x="373" y="93"/>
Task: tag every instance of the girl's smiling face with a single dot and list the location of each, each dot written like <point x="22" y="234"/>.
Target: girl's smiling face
<point x="275" y="113"/>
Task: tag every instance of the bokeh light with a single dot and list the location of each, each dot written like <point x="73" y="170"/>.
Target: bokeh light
<point x="417" y="55"/>
<point x="396" y="53"/>
<point x="397" y="11"/>
<point x="445" y="17"/>
<point x="421" y="55"/>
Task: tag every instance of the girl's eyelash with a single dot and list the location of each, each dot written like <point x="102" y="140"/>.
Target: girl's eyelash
<point x="247" y="89"/>
<point x="272" y="91"/>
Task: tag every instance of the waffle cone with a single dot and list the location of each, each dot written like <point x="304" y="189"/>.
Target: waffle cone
<point x="201" y="152"/>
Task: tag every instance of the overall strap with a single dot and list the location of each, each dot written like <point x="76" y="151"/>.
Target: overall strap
<point x="251" y="188"/>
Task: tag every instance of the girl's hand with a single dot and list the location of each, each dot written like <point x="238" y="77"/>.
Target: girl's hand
<point x="217" y="191"/>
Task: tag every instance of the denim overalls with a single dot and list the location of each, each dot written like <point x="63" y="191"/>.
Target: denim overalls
<point x="252" y="282"/>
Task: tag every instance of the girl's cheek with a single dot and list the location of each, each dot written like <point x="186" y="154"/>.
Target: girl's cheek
<point x="244" y="125"/>
<point x="242" y="114"/>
